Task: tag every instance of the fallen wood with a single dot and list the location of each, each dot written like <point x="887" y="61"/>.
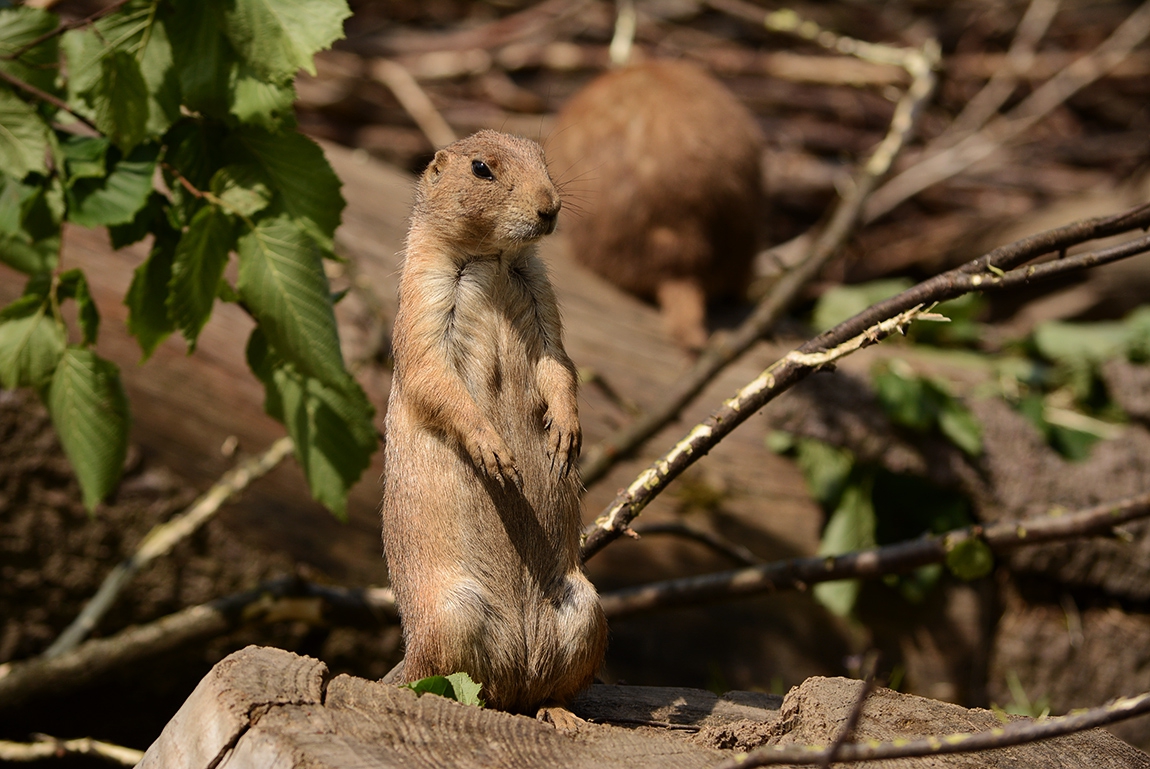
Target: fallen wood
<point x="267" y="707"/>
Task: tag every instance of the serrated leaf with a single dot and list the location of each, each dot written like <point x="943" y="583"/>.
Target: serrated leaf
<point x="90" y="412"/>
<point x="38" y="65"/>
<point x="194" y="151"/>
<point x="197" y="269"/>
<point x="147" y="297"/>
<point x="282" y="282"/>
<point x="279" y="37"/>
<point x="969" y="559"/>
<point x="156" y="65"/>
<point x="297" y="170"/>
<point x="242" y="188"/>
<point x="203" y="56"/>
<point x="85" y="157"/>
<point x="331" y="427"/>
<point x="851" y="527"/>
<point x="31" y="343"/>
<point x="120" y="100"/>
<point x="74" y="285"/>
<point x="432" y="685"/>
<point x="457" y="686"/>
<point x="23" y="137"/>
<point x="466" y="690"/>
<point x="116" y="198"/>
<point x="29" y="225"/>
<point x="83" y="52"/>
<point x="260" y="102"/>
<point x="141" y="225"/>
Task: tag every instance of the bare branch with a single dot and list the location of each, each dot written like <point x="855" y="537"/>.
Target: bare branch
<point x="723" y="349"/>
<point x="45" y="97"/>
<point x="735" y="552"/>
<point x="998" y="132"/>
<point x="868" y="327"/>
<point x="1015" y="733"/>
<point x="800" y="573"/>
<point x="415" y="100"/>
<point x="162" y="538"/>
<point x="52" y="747"/>
<point x="1002" y="83"/>
<point x="832" y="753"/>
<point x="280" y="600"/>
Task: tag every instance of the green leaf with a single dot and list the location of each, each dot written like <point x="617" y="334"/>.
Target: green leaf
<point x="85" y="157"/>
<point x="331" y="427"/>
<point x="466" y="690"/>
<point x="826" y="469"/>
<point x="142" y="223"/>
<point x="961" y="427"/>
<point x="969" y="559"/>
<point x="433" y="685"/>
<point x="242" y="188"/>
<point x="74" y="285"/>
<point x="83" y="53"/>
<point x="120" y="100"/>
<point x="278" y="37"/>
<point x="905" y="399"/>
<point x="90" y="412"/>
<point x="258" y="101"/>
<point x="147" y="297"/>
<point x="851" y="527"/>
<point x="157" y="67"/>
<point x="842" y="302"/>
<point x="23" y="137"/>
<point x="1080" y="342"/>
<point x="29" y="225"/>
<point x="298" y="171"/>
<point x="203" y="56"/>
<point x="197" y="269"/>
<point x="457" y="686"/>
<point x="36" y="66"/>
<point x="116" y="198"/>
<point x="281" y="280"/>
<point x="194" y="151"/>
<point x="31" y="342"/>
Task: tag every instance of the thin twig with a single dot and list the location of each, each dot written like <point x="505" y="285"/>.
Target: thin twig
<point x="735" y="552"/>
<point x="48" y="98"/>
<point x="280" y="600"/>
<point x="415" y="100"/>
<point x="866" y="328"/>
<point x="52" y="747"/>
<point x="852" y="721"/>
<point x="64" y="27"/>
<point x="1015" y="733"/>
<point x="723" y="349"/>
<point x="1020" y="58"/>
<point x="900" y="558"/>
<point x="162" y="538"/>
<point x="1005" y="128"/>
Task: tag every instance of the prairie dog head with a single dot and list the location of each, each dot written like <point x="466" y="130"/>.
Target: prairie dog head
<point x="488" y="193"/>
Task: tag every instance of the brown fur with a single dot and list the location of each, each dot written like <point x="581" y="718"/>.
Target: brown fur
<point x="481" y="496"/>
<point x="665" y="163"/>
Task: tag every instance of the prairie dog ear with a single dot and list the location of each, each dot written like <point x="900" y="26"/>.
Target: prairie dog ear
<point x="435" y="167"/>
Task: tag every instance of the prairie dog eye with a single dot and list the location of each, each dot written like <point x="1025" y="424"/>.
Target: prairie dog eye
<point x="480" y="169"/>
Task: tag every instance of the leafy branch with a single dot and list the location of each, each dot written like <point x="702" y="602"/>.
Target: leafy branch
<point x="999" y="269"/>
<point x="201" y="93"/>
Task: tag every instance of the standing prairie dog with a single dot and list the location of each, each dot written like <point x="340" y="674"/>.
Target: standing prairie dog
<point x="665" y="164"/>
<point x="481" y="495"/>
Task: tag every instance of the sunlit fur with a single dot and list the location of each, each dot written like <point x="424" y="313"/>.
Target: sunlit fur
<point x="665" y="162"/>
<point x="481" y="495"/>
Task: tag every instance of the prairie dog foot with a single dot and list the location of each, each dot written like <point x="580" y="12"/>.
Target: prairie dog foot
<point x="561" y="718"/>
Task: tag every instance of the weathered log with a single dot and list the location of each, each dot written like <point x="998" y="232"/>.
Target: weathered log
<point x="267" y="707"/>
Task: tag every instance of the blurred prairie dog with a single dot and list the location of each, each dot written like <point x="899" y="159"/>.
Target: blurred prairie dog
<point x="481" y="495"/>
<point x="665" y="164"/>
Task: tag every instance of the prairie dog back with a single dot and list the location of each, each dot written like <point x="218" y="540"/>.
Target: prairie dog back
<point x="665" y="163"/>
<point x="481" y="497"/>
